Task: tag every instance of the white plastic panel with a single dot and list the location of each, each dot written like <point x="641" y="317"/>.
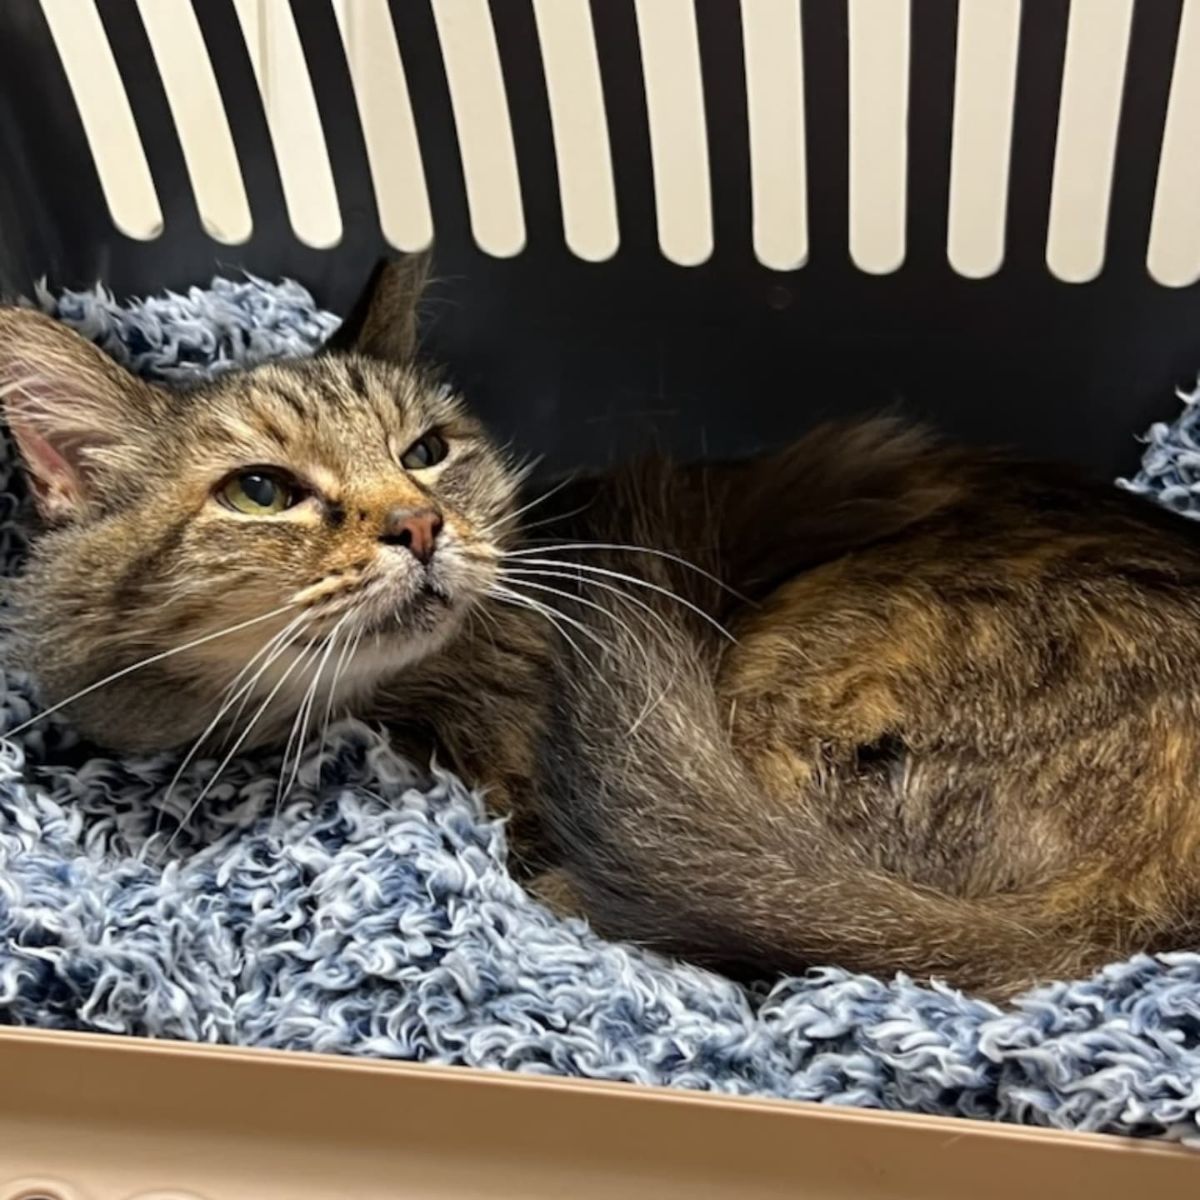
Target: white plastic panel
<point x="772" y="38"/>
<point x="985" y="81"/>
<point x="389" y="130"/>
<point x="295" y="124"/>
<point x="107" y="119"/>
<point x="879" y="57"/>
<point x="199" y="116"/>
<point x="580" y="127"/>
<point x="1173" y="256"/>
<point x="678" y="138"/>
<point x="1088" y="116"/>
<point x="481" y="117"/>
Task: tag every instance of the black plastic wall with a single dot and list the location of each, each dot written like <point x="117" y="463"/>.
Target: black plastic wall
<point x="586" y="361"/>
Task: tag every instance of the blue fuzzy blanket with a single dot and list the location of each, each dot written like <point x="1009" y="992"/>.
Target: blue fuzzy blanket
<point x="375" y="916"/>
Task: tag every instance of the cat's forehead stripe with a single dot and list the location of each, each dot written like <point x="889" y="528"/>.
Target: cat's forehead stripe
<point x="244" y="432"/>
<point x="269" y="429"/>
<point x="330" y="414"/>
<point x="285" y="395"/>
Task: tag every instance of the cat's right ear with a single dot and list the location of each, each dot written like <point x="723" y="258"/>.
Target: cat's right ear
<point x="383" y="322"/>
<point x="69" y="407"/>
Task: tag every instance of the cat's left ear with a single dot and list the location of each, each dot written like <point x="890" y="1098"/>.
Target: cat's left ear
<point x="68" y="406"/>
<point x="383" y="323"/>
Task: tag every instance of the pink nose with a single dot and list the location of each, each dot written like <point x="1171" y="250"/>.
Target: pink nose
<point x="414" y="529"/>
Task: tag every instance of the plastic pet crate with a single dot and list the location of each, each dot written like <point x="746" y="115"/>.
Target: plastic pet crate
<point x="708" y="224"/>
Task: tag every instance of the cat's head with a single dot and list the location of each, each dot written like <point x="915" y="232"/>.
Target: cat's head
<point x="271" y="522"/>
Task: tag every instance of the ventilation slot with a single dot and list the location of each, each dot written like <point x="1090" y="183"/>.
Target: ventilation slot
<point x="291" y="110"/>
<point x="985" y="81"/>
<point x="772" y="38"/>
<point x="678" y="141"/>
<point x="879" y="33"/>
<point x="580" y="127"/>
<point x="481" y="118"/>
<point x="1088" y="115"/>
<point x="107" y="119"/>
<point x="1174" y="253"/>
<point x="199" y="117"/>
<point x="385" y="112"/>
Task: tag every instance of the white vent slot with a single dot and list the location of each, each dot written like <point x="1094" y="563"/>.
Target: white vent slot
<point x="678" y="139"/>
<point x="385" y="112"/>
<point x="489" y="160"/>
<point x="1088" y="115"/>
<point x="772" y="38"/>
<point x="985" y="82"/>
<point x="1174" y="252"/>
<point x="879" y="55"/>
<point x="199" y="117"/>
<point x="107" y="119"/>
<point x="294" y="122"/>
<point x="580" y="127"/>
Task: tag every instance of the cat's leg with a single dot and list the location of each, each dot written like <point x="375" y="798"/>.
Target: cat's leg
<point x="812" y="677"/>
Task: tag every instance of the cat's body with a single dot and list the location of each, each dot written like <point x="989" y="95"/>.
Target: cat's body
<point x="874" y="701"/>
<point x="958" y="733"/>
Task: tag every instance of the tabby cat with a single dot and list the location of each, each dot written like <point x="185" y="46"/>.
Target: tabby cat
<point x="875" y="701"/>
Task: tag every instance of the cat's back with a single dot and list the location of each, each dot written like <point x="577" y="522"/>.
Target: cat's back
<point x="1003" y="692"/>
<point x="969" y="682"/>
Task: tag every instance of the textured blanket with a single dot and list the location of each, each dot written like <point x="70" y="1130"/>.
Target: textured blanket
<point x="374" y="915"/>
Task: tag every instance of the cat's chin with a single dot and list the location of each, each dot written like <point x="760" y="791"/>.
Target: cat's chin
<point x="389" y="652"/>
<point x="411" y="628"/>
<point x="419" y="609"/>
<point x="429" y="611"/>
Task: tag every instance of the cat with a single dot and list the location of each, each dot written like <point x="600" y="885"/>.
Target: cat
<point x="873" y="700"/>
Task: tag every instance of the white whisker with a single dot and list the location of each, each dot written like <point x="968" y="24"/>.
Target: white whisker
<point x="664" y="554"/>
<point x="281" y="645"/>
<point x="344" y="660"/>
<point x="547" y="614"/>
<point x="242" y="738"/>
<point x="511" y="572"/>
<point x="645" y="583"/>
<point x="145" y="662"/>
<point x="575" y="624"/>
<point x="312" y="657"/>
<point x="652" y="701"/>
<point x="309" y="700"/>
<point x="508" y="518"/>
<point x="606" y="612"/>
<point x="624" y="625"/>
<point x="574" y="512"/>
<point x="276" y="641"/>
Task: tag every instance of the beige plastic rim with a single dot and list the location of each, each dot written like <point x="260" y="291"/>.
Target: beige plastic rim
<point x="106" y="1118"/>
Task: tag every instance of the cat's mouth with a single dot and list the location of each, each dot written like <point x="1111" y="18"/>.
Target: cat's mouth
<point x="414" y="606"/>
<point x="408" y="607"/>
<point x="430" y="595"/>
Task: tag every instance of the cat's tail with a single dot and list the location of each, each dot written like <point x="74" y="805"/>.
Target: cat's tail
<point x="668" y="841"/>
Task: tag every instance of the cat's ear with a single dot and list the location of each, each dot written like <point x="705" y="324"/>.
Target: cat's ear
<point x="66" y="403"/>
<point x="383" y="323"/>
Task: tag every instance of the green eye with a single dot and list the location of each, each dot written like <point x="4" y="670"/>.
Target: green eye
<point x="258" y="493"/>
<point x="425" y="452"/>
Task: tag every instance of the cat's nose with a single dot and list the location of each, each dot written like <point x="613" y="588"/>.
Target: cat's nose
<point x="416" y="529"/>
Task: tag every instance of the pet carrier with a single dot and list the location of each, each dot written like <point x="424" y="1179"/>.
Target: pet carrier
<point x="700" y="223"/>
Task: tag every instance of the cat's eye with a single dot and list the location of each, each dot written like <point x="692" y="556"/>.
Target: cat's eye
<point x="425" y="452"/>
<point x="259" y="493"/>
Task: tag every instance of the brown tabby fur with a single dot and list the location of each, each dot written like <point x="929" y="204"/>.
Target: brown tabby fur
<point x="956" y="733"/>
